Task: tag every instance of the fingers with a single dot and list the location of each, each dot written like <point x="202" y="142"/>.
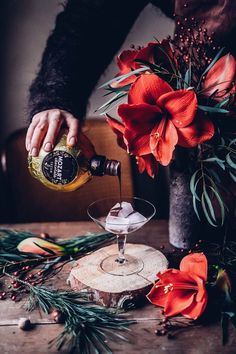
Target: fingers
<point x="55" y="123"/>
<point x="38" y="135"/>
<point x="73" y="125"/>
<point x="30" y="132"/>
<point x="45" y="127"/>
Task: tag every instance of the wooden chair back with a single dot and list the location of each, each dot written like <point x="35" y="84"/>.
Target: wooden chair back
<point x="27" y="200"/>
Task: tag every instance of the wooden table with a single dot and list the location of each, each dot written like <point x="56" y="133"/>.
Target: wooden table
<point x="197" y="340"/>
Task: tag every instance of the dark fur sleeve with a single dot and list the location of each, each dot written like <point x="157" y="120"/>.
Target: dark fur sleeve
<point x="86" y="37"/>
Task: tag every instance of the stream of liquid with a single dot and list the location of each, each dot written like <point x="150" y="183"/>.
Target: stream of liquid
<point x="119" y="182"/>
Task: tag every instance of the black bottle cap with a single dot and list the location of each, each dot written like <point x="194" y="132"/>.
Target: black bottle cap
<point x="100" y="165"/>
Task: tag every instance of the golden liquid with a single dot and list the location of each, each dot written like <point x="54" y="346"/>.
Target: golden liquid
<point x="82" y="172"/>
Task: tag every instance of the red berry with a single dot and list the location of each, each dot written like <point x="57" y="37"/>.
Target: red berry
<point x="44" y="235"/>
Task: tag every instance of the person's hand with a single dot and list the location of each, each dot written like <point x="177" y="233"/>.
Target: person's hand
<point x="45" y="127"/>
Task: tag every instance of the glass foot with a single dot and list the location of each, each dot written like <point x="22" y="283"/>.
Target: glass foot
<point x="131" y="265"/>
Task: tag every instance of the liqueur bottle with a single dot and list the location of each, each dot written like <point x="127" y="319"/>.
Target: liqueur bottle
<point x="67" y="168"/>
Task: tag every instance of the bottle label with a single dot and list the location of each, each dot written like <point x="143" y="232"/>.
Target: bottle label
<point x="59" y="167"/>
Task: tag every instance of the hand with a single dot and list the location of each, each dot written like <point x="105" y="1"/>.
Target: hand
<point x="45" y="127"/>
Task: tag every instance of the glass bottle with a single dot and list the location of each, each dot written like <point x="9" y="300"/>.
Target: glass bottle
<point x="67" y="168"/>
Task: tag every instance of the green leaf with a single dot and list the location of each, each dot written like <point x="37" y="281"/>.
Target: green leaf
<point x="223" y="102"/>
<point x="45" y="249"/>
<point x="232" y="142"/>
<point x="212" y="109"/>
<point x="231" y="314"/>
<point x="153" y="67"/>
<point x="221" y="204"/>
<point x="117" y="89"/>
<point x="10" y="256"/>
<point x="214" y="174"/>
<point x="187" y="78"/>
<point x="204" y="208"/>
<point x="193" y="184"/>
<point x="213" y="159"/>
<point x="213" y="61"/>
<point x="195" y="208"/>
<point x="125" y="76"/>
<point x="209" y="204"/>
<point x="115" y="98"/>
<point x="232" y="176"/>
<point x="171" y="61"/>
<point x="230" y="161"/>
<point x="220" y="162"/>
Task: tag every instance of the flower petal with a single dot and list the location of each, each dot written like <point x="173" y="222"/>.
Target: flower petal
<point x="157" y="296"/>
<point x="125" y="62"/>
<point x="148" y="52"/>
<point x="220" y="77"/>
<point x="175" y="276"/>
<point x="148" y="163"/>
<point x="178" y="301"/>
<point x="118" y="128"/>
<point x="147" y="89"/>
<point x="158" y="53"/>
<point x="196" y="309"/>
<point x="200" y="130"/>
<point x="195" y="263"/>
<point x="181" y="106"/>
<point x="138" y="144"/>
<point x="163" y="139"/>
<point x="139" y="117"/>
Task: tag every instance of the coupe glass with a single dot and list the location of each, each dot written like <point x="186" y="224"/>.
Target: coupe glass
<point x="121" y="263"/>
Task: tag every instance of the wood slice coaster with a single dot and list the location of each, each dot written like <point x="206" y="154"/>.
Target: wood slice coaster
<point x="114" y="290"/>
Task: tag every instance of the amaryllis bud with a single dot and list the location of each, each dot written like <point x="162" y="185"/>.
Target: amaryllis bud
<point x="223" y="281"/>
<point x="41" y="247"/>
<point x="219" y="80"/>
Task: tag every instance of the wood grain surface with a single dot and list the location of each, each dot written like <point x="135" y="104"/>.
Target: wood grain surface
<point x="197" y="340"/>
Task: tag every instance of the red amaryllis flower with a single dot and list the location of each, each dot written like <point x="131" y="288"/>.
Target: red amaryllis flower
<point x="182" y="291"/>
<point x="153" y="53"/>
<point x="145" y="162"/>
<point x="157" y="118"/>
<point x="219" y="81"/>
<point x="148" y="163"/>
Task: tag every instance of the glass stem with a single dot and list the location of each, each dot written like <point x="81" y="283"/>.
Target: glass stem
<point x="121" y="241"/>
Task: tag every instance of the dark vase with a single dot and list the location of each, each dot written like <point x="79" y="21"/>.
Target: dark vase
<point x="184" y="227"/>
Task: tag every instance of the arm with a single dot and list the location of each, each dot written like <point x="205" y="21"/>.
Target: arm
<point x="87" y="35"/>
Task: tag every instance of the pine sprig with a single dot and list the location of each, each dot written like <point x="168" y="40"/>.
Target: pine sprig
<point x="13" y="260"/>
<point x="86" y="325"/>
